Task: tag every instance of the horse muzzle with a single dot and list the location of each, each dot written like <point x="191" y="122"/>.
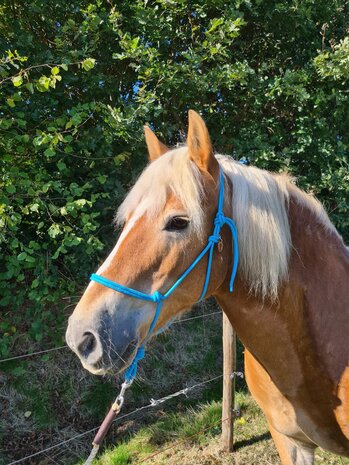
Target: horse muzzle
<point x="105" y="344"/>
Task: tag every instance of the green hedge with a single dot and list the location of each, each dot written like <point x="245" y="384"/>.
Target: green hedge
<point x="79" y="79"/>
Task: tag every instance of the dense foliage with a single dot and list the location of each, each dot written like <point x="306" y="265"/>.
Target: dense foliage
<point x="79" y="79"/>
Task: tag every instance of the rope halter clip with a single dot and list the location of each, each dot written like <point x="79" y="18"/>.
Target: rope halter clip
<point x="119" y="401"/>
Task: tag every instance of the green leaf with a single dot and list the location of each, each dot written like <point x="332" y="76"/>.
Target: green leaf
<point x="214" y="24"/>
<point x="81" y="202"/>
<point x="88" y="64"/>
<point x="17" y="81"/>
<point x="22" y="256"/>
<point x="68" y="149"/>
<point x="55" y="70"/>
<point x="50" y="152"/>
<point x="30" y="87"/>
<point x="102" y="179"/>
<point x="43" y="84"/>
<point x="34" y="207"/>
<point x="61" y="165"/>
<point x="11" y="189"/>
<point x="10" y="102"/>
<point x="64" y="66"/>
<point x="134" y="43"/>
<point x="54" y="230"/>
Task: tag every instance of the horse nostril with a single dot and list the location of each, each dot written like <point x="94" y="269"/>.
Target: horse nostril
<point x="87" y="345"/>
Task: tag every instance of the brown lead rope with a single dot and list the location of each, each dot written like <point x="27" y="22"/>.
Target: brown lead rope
<point x="108" y="420"/>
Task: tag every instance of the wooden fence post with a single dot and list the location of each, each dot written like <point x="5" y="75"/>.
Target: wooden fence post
<point x="229" y="366"/>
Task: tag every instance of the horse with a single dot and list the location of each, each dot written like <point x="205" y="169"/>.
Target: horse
<point x="290" y="302"/>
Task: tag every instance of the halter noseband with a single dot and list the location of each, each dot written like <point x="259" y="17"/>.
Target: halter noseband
<point x="219" y="221"/>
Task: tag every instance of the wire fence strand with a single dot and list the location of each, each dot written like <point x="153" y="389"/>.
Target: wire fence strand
<point x="153" y="403"/>
<point x="42" y="352"/>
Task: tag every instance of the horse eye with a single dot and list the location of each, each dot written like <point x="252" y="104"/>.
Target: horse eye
<point x="177" y="223"/>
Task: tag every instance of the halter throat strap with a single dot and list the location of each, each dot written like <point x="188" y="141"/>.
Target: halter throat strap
<point x="156" y="297"/>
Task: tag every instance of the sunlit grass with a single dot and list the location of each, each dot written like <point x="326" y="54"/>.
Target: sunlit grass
<point x="193" y="437"/>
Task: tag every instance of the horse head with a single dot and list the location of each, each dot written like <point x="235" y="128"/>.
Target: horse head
<point x="166" y="220"/>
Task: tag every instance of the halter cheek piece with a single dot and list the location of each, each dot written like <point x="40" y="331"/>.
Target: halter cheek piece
<point x="219" y="221"/>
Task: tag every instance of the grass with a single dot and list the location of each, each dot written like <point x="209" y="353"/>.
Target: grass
<point x="174" y="439"/>
<point x="172" y="428"/>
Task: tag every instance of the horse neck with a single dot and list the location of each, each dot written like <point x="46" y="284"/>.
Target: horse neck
<point x="310" y="305"/>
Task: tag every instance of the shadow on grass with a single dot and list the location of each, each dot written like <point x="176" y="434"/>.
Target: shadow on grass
<point x="254" y="440"/>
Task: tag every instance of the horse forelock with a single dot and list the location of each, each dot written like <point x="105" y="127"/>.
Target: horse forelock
<point x="172" y="173"/>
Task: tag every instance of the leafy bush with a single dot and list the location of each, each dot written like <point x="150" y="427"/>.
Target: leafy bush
<point x="78" y="81"/>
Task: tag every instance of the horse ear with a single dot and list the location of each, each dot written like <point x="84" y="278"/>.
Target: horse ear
<point x="155" y="147"/>
<point x="199" y="144"/>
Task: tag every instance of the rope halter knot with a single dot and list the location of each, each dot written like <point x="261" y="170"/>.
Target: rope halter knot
<point x="219" y="219"/>
<point x="214" y="238"/>
<point x="157" y="296"/>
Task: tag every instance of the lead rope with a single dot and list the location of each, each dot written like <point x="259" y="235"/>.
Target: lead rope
<point x="108" y="420"/>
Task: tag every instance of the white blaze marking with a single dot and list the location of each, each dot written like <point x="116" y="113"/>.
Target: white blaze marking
<point x="112" y="254"/>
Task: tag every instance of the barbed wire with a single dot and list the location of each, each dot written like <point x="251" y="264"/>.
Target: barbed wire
<point x="153" y="403"/>
<point x="42" y="352"/>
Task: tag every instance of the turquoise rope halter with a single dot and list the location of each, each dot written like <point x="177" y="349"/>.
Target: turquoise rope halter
<point x="158" y="298"/>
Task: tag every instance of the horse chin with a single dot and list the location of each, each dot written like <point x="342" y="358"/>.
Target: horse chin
<point x="117" y="363"/>
<point x="104" y="370"/>
<point x="100" y="371"/>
